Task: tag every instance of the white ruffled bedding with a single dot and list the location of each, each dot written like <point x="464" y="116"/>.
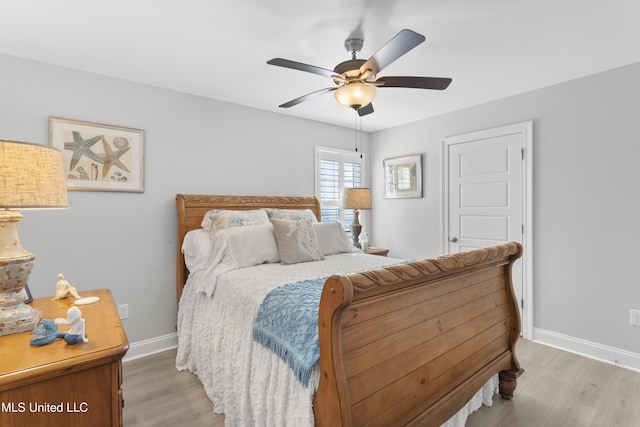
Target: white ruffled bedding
<point x="245" y="381"/>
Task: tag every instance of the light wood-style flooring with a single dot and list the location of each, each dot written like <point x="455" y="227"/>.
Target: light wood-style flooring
<point x="157" y="395"/>
<point x="557" y="389"/>
<point x="561" y="389"/>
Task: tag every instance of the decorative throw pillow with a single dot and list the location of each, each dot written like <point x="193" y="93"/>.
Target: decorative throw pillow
<point x="251" y="245"/>
<point x="291" y="214"/>
<point x="218" y="219"/>
<point x="332" y="238"/>
<point x="297" y="241"/>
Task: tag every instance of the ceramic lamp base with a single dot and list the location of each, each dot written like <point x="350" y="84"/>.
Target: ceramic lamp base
<point x="15" y="267"/>
<point x="356" y="229"/>
<point x="15" y="316"/>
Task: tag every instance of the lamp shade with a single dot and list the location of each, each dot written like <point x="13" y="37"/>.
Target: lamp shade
<point x="357" y="198"/>
<point x="31" y="176"/>
<point x="355" y="95"/>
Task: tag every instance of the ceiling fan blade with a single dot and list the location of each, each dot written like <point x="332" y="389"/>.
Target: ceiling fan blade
<point x="402" y="43"/>
<point x="436" y="83"/>
<point x="303" y="67"/>
<point x="367" y="109"/>
<point x="307" y="97"/>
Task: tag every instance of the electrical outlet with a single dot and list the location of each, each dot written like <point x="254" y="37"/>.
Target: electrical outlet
<point x="123" y="311"/>
<point x="635" y="317"/>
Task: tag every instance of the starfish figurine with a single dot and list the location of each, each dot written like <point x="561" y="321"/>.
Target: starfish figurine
<point x="81" y="147"/>
<point x="111" y="158"/>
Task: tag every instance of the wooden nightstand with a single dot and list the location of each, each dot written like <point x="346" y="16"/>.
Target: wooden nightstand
<point x="65" y="385"/>
<point x="377" y="251"/>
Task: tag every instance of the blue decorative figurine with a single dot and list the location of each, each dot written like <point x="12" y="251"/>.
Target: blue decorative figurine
<point x="48" y="331"/>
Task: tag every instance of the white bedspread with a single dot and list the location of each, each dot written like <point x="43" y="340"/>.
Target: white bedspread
<point x="245" y="381"/>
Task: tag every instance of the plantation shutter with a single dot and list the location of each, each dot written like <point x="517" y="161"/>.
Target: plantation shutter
<point x="335" y="171"/>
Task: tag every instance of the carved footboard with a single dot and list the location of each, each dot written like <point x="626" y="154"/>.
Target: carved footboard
<point x="411" y="344"/>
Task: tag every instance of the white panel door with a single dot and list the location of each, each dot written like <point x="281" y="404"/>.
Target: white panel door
<point x="485" y="193"/>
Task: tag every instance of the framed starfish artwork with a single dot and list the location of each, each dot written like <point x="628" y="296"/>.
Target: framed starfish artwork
<point x="99" y="157"/>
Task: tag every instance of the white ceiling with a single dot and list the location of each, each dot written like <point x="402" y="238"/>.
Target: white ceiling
<point x="491" y="48"/>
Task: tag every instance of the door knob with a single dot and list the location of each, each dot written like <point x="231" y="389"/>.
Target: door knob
<point x="453" y="239"/>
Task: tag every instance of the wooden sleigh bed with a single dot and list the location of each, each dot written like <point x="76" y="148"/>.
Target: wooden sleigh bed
<point x="408" y="344"/>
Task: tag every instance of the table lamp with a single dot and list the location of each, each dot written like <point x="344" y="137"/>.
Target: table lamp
<point x="31" y="177"/>
<point x="356" y="199"/>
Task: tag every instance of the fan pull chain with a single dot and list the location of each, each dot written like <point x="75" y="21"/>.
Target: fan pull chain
<point x="355" y="127"/>
<point x="360" y="135"/>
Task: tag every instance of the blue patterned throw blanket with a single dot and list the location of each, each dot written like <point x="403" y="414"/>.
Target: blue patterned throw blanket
<point x="287" y="324"/>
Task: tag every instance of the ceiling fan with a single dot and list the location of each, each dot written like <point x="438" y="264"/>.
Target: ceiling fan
<point x="355" y="79"/>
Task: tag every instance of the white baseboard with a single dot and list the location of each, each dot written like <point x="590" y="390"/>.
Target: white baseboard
<point x="151" y="346"/>
<point x="592" y="350"/>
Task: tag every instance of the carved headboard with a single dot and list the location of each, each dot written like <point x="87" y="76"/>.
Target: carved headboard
<point x="191" y="210"/>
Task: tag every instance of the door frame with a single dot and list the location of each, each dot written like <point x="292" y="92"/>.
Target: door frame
<point x="526" y="129"/>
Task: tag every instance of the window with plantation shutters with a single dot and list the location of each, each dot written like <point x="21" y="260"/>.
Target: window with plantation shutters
<point x="335" y="171"/>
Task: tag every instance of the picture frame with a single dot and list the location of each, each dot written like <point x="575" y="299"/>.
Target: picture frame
<point x="99" y="157"/>
<point x="403" y="177"/>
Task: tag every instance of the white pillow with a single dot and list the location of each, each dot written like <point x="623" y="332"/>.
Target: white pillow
<point x="218" y="219"/>
<point x="196" y="247"/>
<point x="332" y="238"/>
<point x="251" y="245"/>
<point x="297" y="241"/>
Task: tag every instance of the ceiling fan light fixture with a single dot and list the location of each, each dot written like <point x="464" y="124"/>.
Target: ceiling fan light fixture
<point x="356" y="79"/>
<point x="355" y="95"/>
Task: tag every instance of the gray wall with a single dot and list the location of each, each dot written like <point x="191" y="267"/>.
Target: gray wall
<point x="127" y="241"/>
<point x="586" y="206"/>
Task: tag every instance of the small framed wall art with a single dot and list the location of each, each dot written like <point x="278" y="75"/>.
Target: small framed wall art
<point x="403" y="177"/>
<point x="99" y="157"/>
